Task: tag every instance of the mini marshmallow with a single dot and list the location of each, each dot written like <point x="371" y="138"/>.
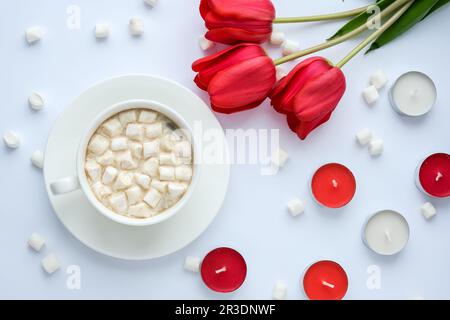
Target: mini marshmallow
<point x="205" y="44"/>
<point x="136" y="26"/>
<point x="428" y="210"/>
<point x="152" y="198"/>
<point x="280" y="73"/>
<point x="106" y="159"/>
<point x="148" y="116"/>
<point x="134" y="194"/>
<point x="126" y="117"/>
<point x="364" y="136"/>
<point x="183" y="173"/>
<point x="101" y="30"/>
<point x="140" y="210"/>
<point x="192" y="264"/>
<point x="176" y="189"/>
<point x="112" y="127"/>
<point x="100" y="190"/>
<point x="109" y="175"/>
<point x="37" y="158"/>
<point x="279" y="291"/>
<point x="118" y="202"/>
<point x="98" y="144"/>
<point x="279" y="158"/>
<point x="378" y="79"/>
<point x="183" y="149"/>
<point x="36" y="101"/>
<point x="370" y="94"/>
<point x="34" y="34"/>
<point x="11" y="139"/>
<point x="277" y="38"/>
<point x="136" y="149"/>
<point x="289" y="47"/>
<point x="159" y="185"/>
<point x="154" y="130"/>
<point x="166" y="173"/>
<point x="118" y="144"/>
<point x="93" y="169"/>
<point x="167" y="159"/>
<point x="295" y="207"/>
<point x="376" y="147"/>
<point x="151" y="3"/>
<point x="151" y="148"/>
<point x="50" y="263"/>
<point x="135" y="131"/>
<point x="36" y="241"/>
<point x="150" y="167"/>
<point x="168" y="141"/>
<point x="142" y="180"/>
<point x="123" y="180"/>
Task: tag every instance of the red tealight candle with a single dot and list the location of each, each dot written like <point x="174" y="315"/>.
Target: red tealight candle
<point x="223" y="270"/>
<point x="434" y="175"/>
<point x="325" y="280"/>
<point x="333" y="185"/>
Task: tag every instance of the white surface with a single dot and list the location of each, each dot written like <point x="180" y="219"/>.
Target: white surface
<point x="125" y="237"/>
<point x="66" y="62"/>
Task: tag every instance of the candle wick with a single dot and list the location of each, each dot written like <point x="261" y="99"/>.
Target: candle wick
<point x="327" y="284"/>
<point x="223" y="269"/>
<point x="439" y="176"/>
<point x="388" y="235"/>
<point x="334" y="182"/>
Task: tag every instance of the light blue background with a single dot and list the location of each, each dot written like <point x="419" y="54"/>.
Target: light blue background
<point x="253" y="219"/>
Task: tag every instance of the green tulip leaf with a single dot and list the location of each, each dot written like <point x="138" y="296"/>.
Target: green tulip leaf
<point x="437" y="6"/>
<point x="360" y="19"/>
<point x="413" y="15"/>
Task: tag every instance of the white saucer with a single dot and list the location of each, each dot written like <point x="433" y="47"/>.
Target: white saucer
<point x="91" y="227"/>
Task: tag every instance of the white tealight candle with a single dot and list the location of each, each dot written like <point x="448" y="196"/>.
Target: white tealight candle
<point x="386" y="232"/>
<point x="413" y="94"/>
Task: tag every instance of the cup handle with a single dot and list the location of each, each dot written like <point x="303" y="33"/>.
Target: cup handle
<point x="65" y="185"/>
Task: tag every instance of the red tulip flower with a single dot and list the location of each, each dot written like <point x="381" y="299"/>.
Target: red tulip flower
<point x="235" y="21"/>
<point x="309" y="94"/>
<point x="237" y="78"/>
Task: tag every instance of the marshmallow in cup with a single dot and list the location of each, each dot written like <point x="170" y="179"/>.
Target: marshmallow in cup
<point x="80" y="180"/>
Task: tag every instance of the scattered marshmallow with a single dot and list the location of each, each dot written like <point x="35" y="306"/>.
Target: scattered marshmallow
<point x="370" y="94"/>
<point x="277" y="38"/>
<point x="205" y="44"/>
<point x="153" y="197"/>
<point x="154" y="130"/>
<point x="376" y="147"/>
<point x="34" y="34"/>
<point x="134" y="194"/>
<point x="151" y="149"/>
<point x="183" y="173"/>
<point x="93" y="169"/>
<point x="112" y="127"/>
<point x="166" y="173"/>
<point x="101" y="30"/>
<point x="142" y="180"/>
<point x="36" y="101"/>
<point x="118" y="144"/>
<point x="364" y="136"/>
<point x="98" y="144"/>
<point x="378" y="79"/>
<point x="289" y="47"/>
<point x="126" y="117"/>
<point x="136" y="26"/>
<point x="135" y="131"/>
<point x="123" y="180"/>
<point x="280" y="73"/>
<point x="192" y="264"/>
<point x="36" y="241"/>
<point x="50" y="263"/>
<point x="140" y="210"/>
<point x="151" y="3"/>
<point x="279" y="158"/>
<point x="295" y="207"/>
<point x="148" y="116"/>
<point x="11" y="139"/>
<point x="279" y="291"/>
<point x="109" y="175"/>
<point x="428" y="210"/>
<point x="118" y="202"/>
<point x="37" y="159"/>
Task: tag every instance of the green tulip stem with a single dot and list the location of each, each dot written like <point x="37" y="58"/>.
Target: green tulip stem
<point x="322" y="17"/>
<point x="374" y="35"/>
<point x="394" y="6"/>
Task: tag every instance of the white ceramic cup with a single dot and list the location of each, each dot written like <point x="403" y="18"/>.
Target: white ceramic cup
<point x="79" y="180"/>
